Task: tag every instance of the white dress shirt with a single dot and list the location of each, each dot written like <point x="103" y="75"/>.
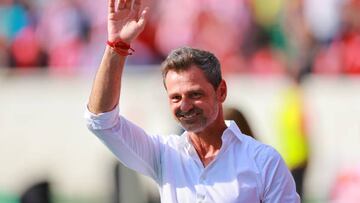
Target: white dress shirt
<point x="244" y="171"/>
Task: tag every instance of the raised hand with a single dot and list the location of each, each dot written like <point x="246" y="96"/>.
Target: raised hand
<point x="125" y="20"/>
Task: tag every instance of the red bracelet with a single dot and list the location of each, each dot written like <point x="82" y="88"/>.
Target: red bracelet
<point x="121" y="47"/>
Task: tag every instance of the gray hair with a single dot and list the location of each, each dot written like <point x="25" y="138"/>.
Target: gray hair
<point x="183" y="58"/>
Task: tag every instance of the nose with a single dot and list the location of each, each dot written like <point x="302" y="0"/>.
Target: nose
<point x="186" y="105"/>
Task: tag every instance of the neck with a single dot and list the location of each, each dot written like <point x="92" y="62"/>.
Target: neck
<point x="207" y="143"/>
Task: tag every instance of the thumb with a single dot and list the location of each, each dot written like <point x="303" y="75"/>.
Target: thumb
<point x="143" y="17"/>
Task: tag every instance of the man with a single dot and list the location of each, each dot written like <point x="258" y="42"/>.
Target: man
<point x="212" y="161"/>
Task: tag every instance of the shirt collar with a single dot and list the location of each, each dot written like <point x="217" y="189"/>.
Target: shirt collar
<point x="232" y="128"/>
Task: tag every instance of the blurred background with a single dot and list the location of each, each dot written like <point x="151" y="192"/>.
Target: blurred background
<point x="292" y="67"/>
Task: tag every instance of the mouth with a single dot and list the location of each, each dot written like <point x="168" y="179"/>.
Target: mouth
<point x="188" y="116"/>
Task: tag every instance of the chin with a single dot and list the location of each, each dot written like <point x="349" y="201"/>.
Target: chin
<point x="193" y="128"/>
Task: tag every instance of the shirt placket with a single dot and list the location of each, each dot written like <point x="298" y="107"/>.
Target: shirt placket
<point x="200" y="188"/>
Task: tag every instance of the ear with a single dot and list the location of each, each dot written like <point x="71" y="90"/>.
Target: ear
<point x="222" y="91"/>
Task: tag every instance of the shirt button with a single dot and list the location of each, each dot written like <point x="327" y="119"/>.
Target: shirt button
<point x="200" y="197"/>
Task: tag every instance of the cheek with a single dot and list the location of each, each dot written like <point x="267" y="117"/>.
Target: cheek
<point x="210" y="108"/>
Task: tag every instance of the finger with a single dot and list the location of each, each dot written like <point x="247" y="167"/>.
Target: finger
<point x="128" y="4"/>
<point x="143" y="17"/>
<point x="111" y="5"/>
<point x="121" y="4"/>
<point x="136" y="6"/>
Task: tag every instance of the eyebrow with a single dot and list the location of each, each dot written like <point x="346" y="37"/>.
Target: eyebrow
<point x="197" y="90"/>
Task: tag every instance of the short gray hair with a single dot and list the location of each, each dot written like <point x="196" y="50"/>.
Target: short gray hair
<point x="183" y="58"/>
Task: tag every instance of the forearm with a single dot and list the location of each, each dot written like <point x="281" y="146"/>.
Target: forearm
<point x="105" y="92"/>
<point x="125" y="23"/>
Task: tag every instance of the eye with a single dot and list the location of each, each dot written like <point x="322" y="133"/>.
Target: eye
<point x="175" y="98"/>
<point x="196" y="95"/>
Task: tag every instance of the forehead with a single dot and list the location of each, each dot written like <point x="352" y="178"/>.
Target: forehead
<point x="192" y="77"/>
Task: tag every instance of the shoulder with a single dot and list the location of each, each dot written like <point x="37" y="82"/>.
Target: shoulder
<point x="262" y="154"/>
<point x="258" y="153"/>
<point x="257" y="147"/>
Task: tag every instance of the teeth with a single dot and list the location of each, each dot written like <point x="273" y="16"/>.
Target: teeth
<point x="190" y="116"/>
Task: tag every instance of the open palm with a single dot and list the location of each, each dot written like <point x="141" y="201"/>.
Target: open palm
<point x="125" y="21"/>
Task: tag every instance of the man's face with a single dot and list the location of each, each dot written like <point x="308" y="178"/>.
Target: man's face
<point x="193" y="100"/>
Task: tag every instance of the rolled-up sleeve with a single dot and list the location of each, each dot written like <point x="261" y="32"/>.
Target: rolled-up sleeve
<point x="129" y="143"/>
<point x="103" y="120"/>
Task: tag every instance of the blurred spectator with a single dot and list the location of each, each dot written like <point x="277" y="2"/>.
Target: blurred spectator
<point x="265" y="42"/>
<point x="323" y="18"/>
<point x="247" y="36"/>
<point x="324" y="23"/>
<point x="37" y="193"/>
<point x="13" y="18"/>
<point x="26" y="51"/>
<point x="206" y="25"/>
<point x="350" y="38"/>
<point x="300" y="43"/>
<point x="236" y="115"/>
<point x="4" y="55"/>
<point x="175" y="24"/>
<point x="291" y="130"/>
<point x="267" y="60"/>
<point x="64" y="36"/>
<point x="209" y="29"/>
<point x="342" y="56"/>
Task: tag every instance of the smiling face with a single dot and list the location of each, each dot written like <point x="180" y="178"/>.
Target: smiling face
<point x="193" y="100"/>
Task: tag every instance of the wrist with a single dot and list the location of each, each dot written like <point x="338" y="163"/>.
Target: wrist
<point x="121" y="47"/>
<point x="114" y="39"/>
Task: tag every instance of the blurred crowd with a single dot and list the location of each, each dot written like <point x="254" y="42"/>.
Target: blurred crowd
<point x="249" y="36"/>
<point x="262" y="37"/>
